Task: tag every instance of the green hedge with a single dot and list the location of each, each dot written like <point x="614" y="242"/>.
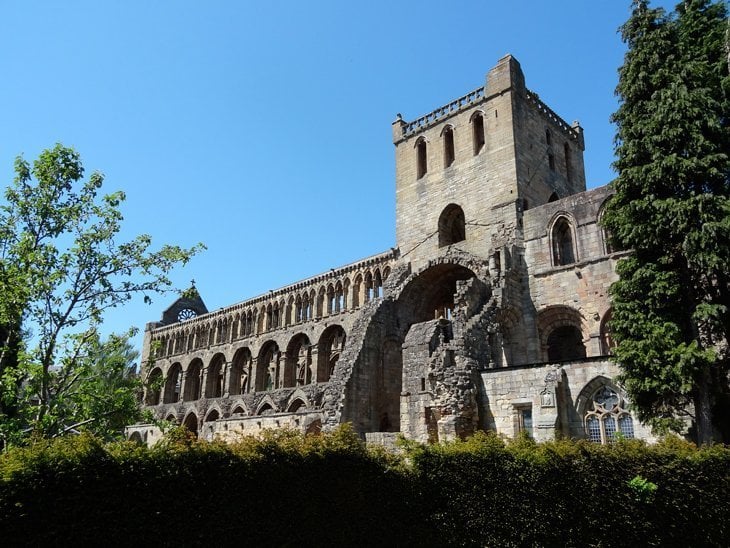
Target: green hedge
<point x="286" y="490"/>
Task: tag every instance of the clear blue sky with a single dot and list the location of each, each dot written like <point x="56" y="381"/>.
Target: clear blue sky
<point x="263" y="129"/>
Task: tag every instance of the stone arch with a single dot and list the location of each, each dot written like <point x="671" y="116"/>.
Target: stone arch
<point x="290" y="307"/>
<point x="268" y="367"/>
<point x="609" y="245"/>
<point x="298" y="401"/>
<point x="607" y="342"/>
<point x="153" y="387"/>
<point x="215" y="376"/>
<point x="193" y="380"/>
<point x="451" y="225"/>
<point x="136" y="437"/>
<point x="429" y="294"/>
<point x="266" y="407"/>
<point x="173" y="383"/>
<point x="553" y="197"/>
<point x="171" y="417"/>
<point x="298" y="366"/>
<point x="191" y="423"/>
<point x="239" y="408"/>
<point x="240" y="373"/>
<point x="562" y="240"/>
<point x="330" y="347"/>
<point x="561" y="333"/>
<point x="321" y="296"/>
<point x="213" y="414"/>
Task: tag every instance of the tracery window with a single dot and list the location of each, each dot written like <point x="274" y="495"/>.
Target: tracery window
<point x="607" y="416"/>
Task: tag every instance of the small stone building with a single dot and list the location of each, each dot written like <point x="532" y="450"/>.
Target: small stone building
<point x="490" y="314"/>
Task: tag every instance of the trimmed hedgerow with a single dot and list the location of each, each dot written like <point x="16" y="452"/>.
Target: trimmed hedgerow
<point x="288" y="490"/>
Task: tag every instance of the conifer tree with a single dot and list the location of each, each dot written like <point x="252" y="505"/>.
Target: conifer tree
<point x="671" y="305"/>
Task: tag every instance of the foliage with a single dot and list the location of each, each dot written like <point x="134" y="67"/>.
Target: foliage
<point x="671" y="315"/>
<point x="61" y="268"/>
<point x="284" y="488"/>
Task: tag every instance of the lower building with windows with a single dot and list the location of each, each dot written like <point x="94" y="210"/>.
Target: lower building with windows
<point x="491" y="313"/>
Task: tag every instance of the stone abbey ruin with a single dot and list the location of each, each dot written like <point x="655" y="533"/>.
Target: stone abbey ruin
<point x="489" y="314"/>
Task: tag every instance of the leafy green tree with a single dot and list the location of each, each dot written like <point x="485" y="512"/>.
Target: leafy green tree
<point x="671" y="315"/>
<point x="61" y="268"/>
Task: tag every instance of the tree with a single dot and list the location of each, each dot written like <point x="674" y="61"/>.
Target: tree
<point x="671" y="207"/>
<point x="61" y="268"/>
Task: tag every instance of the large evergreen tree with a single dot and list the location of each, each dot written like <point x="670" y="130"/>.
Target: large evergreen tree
<point x="671" y="305"/>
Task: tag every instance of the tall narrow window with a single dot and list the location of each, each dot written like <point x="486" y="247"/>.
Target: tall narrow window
<point x="421" y="167"/>
<point x="563" y="252"/>
<point x="524" y="419"/>
<point x="568" y="170"/>
<point x="449" y="155"/>
<point x="551" y="161"/>
<point x="548" y="137"/>
<point x="478" y="133"/>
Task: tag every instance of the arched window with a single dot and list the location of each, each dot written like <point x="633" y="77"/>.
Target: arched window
<point x="548" y="137"/>
<point x="477" y="129"/>
<point x="562" y="242"/>
<point x="173" y="384"/>
<point x="607" y="342"/>
<point x="330" y="347"/>
<point x="606" y="416"/>
<point x="421" y="166"/>
<point x="214" y="378"/>
<point x="238" y="382"/>
<point x="154" y="384"/>
<point x="449" y="154"/>
<point x="193" y="380"/>
<point x="452" y="225"/>
<point x="565" y="343"/>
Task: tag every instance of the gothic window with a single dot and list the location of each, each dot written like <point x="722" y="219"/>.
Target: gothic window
<point x="268" y="367"/>
<point x="562" y="242"/>
<point x="606" y="417"/>
<point x="477" y="128"/>
<point x="452" y="225"/>
<point x="421" y="166"/>
<point x="369" y="292"/>
<point x="449" y="155"/>
<point x="331" y="345"/>
<point x="378" y="285"/>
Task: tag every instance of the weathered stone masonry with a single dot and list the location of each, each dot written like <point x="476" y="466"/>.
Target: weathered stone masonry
<point x="491" y="313"/>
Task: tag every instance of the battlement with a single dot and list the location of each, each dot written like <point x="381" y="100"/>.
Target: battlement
<point x="419" y="124"/>
<point x="574" y="131"/>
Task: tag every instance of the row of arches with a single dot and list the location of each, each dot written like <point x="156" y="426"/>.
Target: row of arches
<point x="449" y="149"/>
<point x="298" y="307"/>
<point x="300" y="364"/>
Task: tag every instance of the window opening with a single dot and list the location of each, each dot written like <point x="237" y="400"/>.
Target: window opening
<point x="452" y="226"/>
<point x="478" y="133"/>
<point x="449" y="155"/>
<point x="563" y="253"/>
<point x="607" y="416"/>
<point x="422" y="168"/>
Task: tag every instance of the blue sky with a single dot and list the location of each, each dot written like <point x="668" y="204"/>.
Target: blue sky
<point x="263" y="128"/>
